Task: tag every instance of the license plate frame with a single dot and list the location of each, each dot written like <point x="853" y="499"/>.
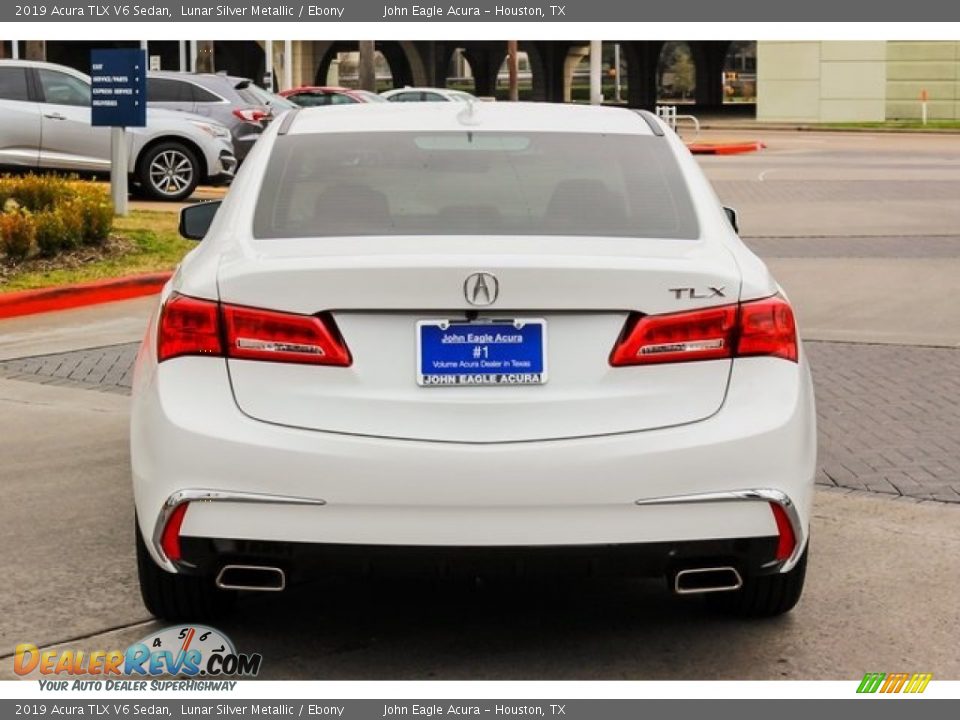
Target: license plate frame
<point x="503" y="363"/>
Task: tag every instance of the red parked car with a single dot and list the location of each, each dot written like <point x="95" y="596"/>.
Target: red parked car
<point x="310" y="96"/>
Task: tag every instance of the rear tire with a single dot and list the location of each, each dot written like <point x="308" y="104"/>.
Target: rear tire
<point x="765" y="595"/>
<point x="176" y="597"/>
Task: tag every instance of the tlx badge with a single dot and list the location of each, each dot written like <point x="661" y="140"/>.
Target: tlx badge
<point x="693" y="294"/>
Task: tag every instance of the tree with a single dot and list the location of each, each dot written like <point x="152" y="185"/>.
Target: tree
<point x="684" y="71"/>
<point x="677" y="73"/>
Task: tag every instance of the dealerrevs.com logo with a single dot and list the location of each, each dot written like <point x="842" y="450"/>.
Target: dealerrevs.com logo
<point x="189" y="651"/>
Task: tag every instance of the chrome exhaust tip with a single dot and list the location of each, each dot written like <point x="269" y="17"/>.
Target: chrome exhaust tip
<point x="697" y="581"/>
<point x="261" y="578"/>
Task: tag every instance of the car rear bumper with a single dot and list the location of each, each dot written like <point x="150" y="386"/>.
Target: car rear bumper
<point x="308" y="561"/>
<point x="249" y="481"/>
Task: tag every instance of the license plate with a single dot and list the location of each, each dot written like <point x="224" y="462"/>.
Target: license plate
<point x="498" y="352"/>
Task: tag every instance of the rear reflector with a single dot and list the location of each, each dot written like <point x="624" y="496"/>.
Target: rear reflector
<point x="787" y="541"/>
<point x="190" y="326"/>
<point x="170" y="540"/>
<point x="760" y="327"/>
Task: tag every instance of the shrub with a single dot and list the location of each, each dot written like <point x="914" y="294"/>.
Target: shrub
<point x="50" y="214"/>
<point x="58" y="230"/>
<point x="18" y="232"/>
<point x="74" y="218"/>
<point x="35" y="192"/>
<point x="97" y="212"/>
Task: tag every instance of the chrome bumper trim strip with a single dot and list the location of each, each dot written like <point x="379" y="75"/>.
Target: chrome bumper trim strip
<point x="755" y="495"/>
<point x="184" y="496"/>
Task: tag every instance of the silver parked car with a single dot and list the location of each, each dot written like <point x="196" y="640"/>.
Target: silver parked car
<point x="236" y="102"/>
<point x="45" y="125"/>
<point x="426" y="94"/>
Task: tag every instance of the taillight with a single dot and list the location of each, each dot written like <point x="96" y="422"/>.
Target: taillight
<point x="699" y="335"/>
<point x="759" y="327"/>
<point x="190" y="326"/>
<point x="767" y="327"/>
<point x="170" y="538"/>
<point x="787" y="540"/>
<point x="252" y="115"/>
<point x="254" y="334"/>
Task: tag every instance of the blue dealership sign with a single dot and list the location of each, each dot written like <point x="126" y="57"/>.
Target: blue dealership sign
<point x="118" y="88"/>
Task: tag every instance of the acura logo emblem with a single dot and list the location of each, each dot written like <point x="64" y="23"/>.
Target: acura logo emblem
<point x="481" y="288"/>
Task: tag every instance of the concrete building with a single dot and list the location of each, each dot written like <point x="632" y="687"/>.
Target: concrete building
<point x="860" y="81"/>
<point x="799" y="81"/>
<point x="553" y="72"/>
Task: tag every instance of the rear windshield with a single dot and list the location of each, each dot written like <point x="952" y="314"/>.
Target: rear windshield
<point x="254" y="95"/>
<point x="473" y="183"/>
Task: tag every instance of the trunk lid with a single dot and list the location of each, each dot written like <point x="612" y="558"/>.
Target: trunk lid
<point x="379" y="289"/>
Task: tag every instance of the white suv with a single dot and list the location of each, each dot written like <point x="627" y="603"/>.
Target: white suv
<point x="45" y="125"/>
<point x="471" y="334"/>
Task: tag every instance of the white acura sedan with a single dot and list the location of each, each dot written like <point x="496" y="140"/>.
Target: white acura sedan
<point x="471" y="337"/>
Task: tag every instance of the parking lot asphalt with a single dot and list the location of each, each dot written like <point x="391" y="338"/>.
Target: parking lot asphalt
<point x="860" y="230"/>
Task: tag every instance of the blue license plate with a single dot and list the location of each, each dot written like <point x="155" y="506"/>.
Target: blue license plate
<point x="501" y="352"/>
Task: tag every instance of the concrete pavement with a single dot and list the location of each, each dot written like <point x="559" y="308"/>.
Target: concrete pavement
<point x="66" y="520"/>
<point x="904" y="301"/>
<point x="75" y="329"/>
<point x="838" y="184"/>
<point x="881" y="590"/>
<point x="848" y="194"/>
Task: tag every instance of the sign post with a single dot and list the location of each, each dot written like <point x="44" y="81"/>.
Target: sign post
<point x="118" y="100"/>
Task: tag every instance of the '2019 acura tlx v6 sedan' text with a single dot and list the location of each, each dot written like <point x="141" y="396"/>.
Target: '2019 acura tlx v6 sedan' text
<point x="471" y="333"/>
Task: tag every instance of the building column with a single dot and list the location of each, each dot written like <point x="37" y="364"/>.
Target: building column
<point x="442" y="52"/>
<point x="205" y="57"/>
<point x="709" y="56"/>
<point x="35" y="50"/>
<point x="367" y="69"/>
<point x="428" y="51"/>
<point x="287" y="65"/>
<point x="573" y="57"/>
<point x="643" y="58"/>
<point x="538" y="81"/>
<point x="596" y="72"/>
<point x="268" y="79"/>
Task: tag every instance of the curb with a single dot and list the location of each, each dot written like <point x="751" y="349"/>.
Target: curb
<point x="729" y="148"/>
<point x="794" y="127"/>
<point x="30" y="302"/>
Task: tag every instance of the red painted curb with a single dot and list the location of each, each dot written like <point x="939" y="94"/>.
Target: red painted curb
<point x="725" y="148"/>
<point x="29" y="302"/>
